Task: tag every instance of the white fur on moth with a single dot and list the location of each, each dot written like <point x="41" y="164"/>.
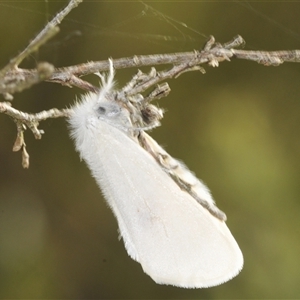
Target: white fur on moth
<point x="175" y="239"/>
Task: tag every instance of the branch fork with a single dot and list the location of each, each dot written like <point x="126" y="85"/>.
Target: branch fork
<point x="146" y="116"/>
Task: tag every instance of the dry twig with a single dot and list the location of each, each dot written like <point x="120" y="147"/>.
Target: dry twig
<point x="14" y="79"/>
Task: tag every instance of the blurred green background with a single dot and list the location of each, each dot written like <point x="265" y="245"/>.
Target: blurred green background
<point x="237" y="127"/>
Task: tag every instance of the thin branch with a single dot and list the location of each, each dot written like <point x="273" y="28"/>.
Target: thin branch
<point x="212" y="54"/>
<point x="268" y="58"/>
<point x="14" y="79"/>
<point x="48" y="32"/>
<point x="31" y="121"/>
<point x="41" y="39"/>
<point x="12" y="67"/>
<point x="17" y="80"/>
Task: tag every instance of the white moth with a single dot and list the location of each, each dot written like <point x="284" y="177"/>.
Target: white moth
<point x="166" y="216"/>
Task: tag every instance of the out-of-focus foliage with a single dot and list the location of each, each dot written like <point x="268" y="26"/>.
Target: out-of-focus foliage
<point x="237" y="127"/>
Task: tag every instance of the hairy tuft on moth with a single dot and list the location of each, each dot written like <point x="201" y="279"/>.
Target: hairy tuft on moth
<point x="166" y="216"/>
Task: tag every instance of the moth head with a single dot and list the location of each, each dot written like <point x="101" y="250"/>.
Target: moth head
<point x="113" y="113"/>
<point x="108" y="110"/>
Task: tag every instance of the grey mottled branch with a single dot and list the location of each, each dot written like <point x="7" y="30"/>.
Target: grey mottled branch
<point x="14" y="79"/>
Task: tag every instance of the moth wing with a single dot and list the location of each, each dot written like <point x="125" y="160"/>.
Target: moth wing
<point x="176" y="240"/>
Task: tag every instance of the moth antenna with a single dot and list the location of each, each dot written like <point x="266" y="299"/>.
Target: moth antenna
<point x="107" y="81"/>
